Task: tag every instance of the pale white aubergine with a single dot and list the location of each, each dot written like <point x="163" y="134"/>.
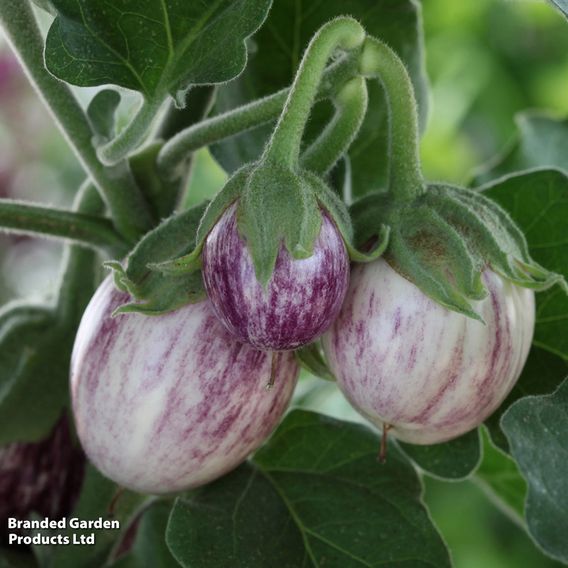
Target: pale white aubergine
<point x="430" y="373"/>
<point x="171" y="402"/>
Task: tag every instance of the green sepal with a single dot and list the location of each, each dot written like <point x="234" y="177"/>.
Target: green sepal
<point x="154" y="292"/>
<point x="191" y="262"/>
<point x="332" y="203"/>
<point x="311" y="358"/>
<point x="277" y="206"/>
<point x="444" y="239"/>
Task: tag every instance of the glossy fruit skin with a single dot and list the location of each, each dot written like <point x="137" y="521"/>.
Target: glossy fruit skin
<point x="301" y="300"/>
<point x="432" y="374"/>
<point x="167" y="403"/>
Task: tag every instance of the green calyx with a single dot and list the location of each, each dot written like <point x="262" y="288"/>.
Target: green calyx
<point x="280" y="199"/>
<point x="444" y="240"/>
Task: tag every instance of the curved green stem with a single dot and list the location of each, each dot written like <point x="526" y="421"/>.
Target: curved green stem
<point x="89" y="230"/>
<point x="130" y="138"/>
<point x="125" y="201"/>
<point x="176" y="150"/>
<point x="80" y="270"/>
<point x="284" y="145"/>
<point x="381" y="62"/>
<point x="333" y="142"/>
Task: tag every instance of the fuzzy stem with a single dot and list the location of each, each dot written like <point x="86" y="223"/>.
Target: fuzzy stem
<point x="131" y="136"/>
<point x="341" y="33"/>
<point x="333" y="142"/>
<point x="177" y="149"/>
<point x="125" y="201"/>
<point x="380" y="61"/>
<point x="80" y="269"/>
<point x="90" y="230"/>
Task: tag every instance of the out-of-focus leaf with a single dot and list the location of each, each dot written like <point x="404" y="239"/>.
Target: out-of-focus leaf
<point x="538" y="202"/>
<point x="313" y="496"/>
<point x="536" y="427"/>
<point x="276" y="53"/>
<point x="456" y="459"/>
<point x="541" y="142"/>
<point x="149" y="549"/>
<point x="501" y="479"/>
<point x="156" y="48"/>
<point x="542" y="374"/>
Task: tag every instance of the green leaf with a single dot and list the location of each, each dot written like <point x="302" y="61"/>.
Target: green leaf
<point x="499" y="476"/>
<point x="156" y="48"/>
<point x="541" y="142"/>
<point x="542" y="374"/>
<point x="312" y="359"/>
<point x="101" y="114"/>
<point x="538" y="202"/>
<point x="155" y="292"/>
<point x="150" y="549"/>
<point x="278" y="47"/>
<point x="97" y="494"/>
<point x="536" y="427"/>
<point x="456" y="459"/>
<point x="34" y="358"/>
<point x="316" y="496"/>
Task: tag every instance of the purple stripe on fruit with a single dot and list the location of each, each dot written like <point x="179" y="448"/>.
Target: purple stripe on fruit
<point x="403" y="360"/>
<point x="167" y="403"/>
<point x="301" y="300"/>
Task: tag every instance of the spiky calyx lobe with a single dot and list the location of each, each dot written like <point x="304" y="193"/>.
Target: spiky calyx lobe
<point x="299" y="302"/>
<point x="443" y="240"/>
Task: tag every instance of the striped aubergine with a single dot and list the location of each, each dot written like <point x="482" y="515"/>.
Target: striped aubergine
<point x="301" y="299"/>
<point x="167" y="403"/>
<point x="429" y="373"/>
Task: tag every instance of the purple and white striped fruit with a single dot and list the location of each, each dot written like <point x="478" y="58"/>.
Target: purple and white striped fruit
<point x="429" y="373"/>
<point x="301" y="300"/>
<point x="166" y="403"/>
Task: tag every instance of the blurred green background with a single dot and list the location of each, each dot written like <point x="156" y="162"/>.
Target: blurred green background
<point x="486" y="60"/>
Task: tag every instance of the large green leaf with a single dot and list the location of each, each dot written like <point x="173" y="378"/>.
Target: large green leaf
<point x="97" y="495"/>
<point x="536" y="427"/>
<point x="541" y="142"/>
<point x="456" y="459"/>
<point x="538" y="201"/>
<point x="316" y="496"/>
<point x="278" y="48"/>
<point x="542" y="374"/>
<point x="499" y="476"/>
<point x="149" y="549"/>
<point x="156" y="48"/>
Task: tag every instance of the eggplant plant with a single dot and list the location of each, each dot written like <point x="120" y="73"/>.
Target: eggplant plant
<point x="429" y="308"/>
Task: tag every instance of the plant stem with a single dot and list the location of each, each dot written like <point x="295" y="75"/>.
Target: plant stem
<point x="332" y="143"/>
<point x="380" y="61"/>
<point x="284" y="145"/>
<point x="90" y="230"/>
<point x="80" y="270"/>
<point x="131" y="136"/>
<point x="126" y="203"/>
<point x="243" y="118"/>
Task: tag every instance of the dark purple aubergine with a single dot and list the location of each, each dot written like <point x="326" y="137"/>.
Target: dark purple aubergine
<point x="301" y="300"/>
<point x="41" y="477"/>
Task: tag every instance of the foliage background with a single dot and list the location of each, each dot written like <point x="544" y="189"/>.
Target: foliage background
<point x="486" y="60"/>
